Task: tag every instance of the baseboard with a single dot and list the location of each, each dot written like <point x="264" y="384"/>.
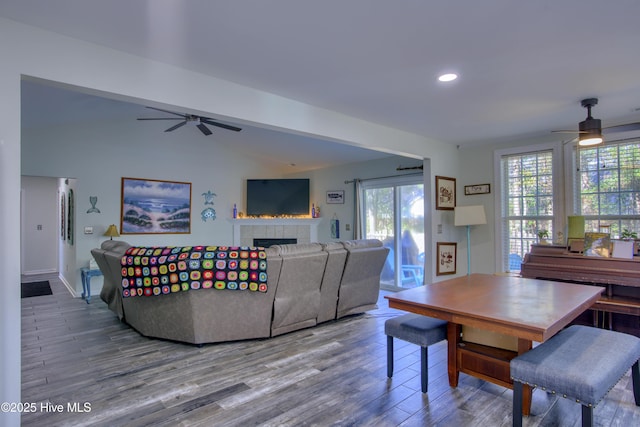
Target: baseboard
<point x="39" y="272"/>
<point x="70" y="288"/>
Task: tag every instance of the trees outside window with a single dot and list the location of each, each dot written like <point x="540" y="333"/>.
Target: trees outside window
<point x="608" y="187"/>
<point x="527" y="202"/>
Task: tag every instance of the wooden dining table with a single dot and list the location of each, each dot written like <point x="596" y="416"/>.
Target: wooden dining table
<point x="531" y="310"/>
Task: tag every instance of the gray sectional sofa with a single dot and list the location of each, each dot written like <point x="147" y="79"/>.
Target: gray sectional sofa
<point x="307" y="284"/>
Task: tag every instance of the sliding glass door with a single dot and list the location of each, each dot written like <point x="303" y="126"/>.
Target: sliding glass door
<point x="393" y="212"/>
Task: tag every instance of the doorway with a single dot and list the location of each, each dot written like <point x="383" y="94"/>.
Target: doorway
<point x="393" y="212"/>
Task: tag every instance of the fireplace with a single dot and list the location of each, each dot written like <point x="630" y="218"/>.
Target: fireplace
<point x="303" y="230"/>
<point x="265" y="242"/>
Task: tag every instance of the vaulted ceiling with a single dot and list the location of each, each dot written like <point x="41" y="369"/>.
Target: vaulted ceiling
<point x="523" y="66"/>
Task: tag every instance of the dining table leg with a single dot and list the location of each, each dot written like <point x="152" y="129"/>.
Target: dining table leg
<point x="527" y="391"/>
<point x="453" y="340"/>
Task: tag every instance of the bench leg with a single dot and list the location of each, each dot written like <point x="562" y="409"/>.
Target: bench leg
<point x="517" y="404"/>
<point x="389" y="356"/>
<point x="635" y="377"/>
<point x="424" y="368"/>
<point x="587" y="416"/>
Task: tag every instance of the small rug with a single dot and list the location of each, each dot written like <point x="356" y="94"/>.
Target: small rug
<point x="35" y="289"/>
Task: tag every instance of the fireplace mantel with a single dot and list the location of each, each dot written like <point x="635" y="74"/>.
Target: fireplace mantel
<point x="305" y="230"/>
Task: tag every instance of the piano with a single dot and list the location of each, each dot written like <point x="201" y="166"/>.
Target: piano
<point x="618" y="308"/>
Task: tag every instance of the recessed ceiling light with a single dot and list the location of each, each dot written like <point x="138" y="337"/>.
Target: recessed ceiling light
<point x="449" y="77"/>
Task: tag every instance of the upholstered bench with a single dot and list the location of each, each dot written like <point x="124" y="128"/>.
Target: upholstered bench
<point x="581" y="363"/>
<point x="416" y="329"/>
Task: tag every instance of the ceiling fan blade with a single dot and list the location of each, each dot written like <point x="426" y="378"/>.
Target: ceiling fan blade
<point x="203" y="129"/>
<point x="176" y="126"/>
<point x="622" y="128"/>
<point x="167" y="111"/>
<point x="568" y="131"/>
<point x="220" y="125"/>
<point x="570" y="141"/>
<point x="160" y="118"/>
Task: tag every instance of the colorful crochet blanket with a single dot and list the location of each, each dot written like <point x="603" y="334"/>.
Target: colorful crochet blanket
<point x="148" y="271"/>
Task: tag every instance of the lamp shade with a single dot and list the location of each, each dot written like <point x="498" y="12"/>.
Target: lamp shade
<point x="112" y="231"/>
<point x="469" y="215"/>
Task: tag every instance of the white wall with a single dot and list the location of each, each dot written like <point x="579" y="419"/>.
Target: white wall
<point x="39" y="225"/>
<point x="334" y="179"/>
<point x="99" y="154"/>
<point x="323" y="180"/>
<point x="477" y="167"/>
<point x="27" y="51"/>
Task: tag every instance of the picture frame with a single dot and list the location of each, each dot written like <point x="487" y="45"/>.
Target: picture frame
<point x="151" y="206"/>
<point x="470" y="190"/>
<point x="445" y="193"/>
<point x="447" y="253"/>
<point x="63" y="217"/>
<point x="71" y="222"/>
<point x="335" y="197"/>
<point x="575" y="245"/>
<point x="622" y="249"/>
<point x="597" y="245"/>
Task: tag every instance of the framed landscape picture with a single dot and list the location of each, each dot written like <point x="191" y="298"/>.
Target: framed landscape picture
<point x="152" y="206"/>
<point x="447" y="258"/>
<point x="445" y="193"/>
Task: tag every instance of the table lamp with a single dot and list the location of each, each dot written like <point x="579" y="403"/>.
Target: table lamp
<point x="469" y="215"/>
<point x="112" y="231"/>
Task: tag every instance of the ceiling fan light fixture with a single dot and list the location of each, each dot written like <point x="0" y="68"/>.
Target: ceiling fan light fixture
<point x="590" y="131"/>
<point x="448" y="77"/>
<point x="587" y="140"/>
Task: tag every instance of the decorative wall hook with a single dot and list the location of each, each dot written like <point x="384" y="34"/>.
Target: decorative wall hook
<point x="93" y="200"/>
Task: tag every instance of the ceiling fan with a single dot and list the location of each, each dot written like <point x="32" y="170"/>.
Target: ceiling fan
<point x="199" y="121"/>
<point x="590" y="129"/>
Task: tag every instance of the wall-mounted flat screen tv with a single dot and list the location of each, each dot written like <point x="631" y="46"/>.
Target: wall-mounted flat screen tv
<point x="277" y="197"/>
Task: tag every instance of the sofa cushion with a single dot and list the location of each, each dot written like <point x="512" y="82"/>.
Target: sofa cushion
<point x="117" y="246"/>
<point x="361" y="243"/>
<point x="297" y="249"/>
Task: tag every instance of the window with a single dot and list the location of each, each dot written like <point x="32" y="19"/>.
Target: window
<point x="527" y="200"/>
<point x="608" y="187"/>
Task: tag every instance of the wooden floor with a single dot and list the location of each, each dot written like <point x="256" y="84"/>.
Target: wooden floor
<point x="78" y="358"/>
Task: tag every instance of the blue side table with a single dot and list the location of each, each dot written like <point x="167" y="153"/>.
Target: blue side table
<point x="87" y="274"/>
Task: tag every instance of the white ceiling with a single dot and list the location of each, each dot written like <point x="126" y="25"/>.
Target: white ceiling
<point x="523" y="66"/>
